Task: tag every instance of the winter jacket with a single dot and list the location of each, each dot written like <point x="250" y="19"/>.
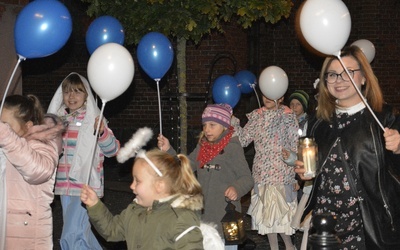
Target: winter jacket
<point x="30" y="166"/>
<point x="154" y="228"/>
<point x="79" y="141"/>
<point x="231" y="169"/>
<point x="376" y="170"/>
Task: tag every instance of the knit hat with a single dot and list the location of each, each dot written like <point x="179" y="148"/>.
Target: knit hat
<point x="302" y="97"/>
<point x="219" y="113"/>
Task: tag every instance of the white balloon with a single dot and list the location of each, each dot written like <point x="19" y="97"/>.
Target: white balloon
<point x="326" y="25"/>
<point x="367" y="48"/>
<point x="273" y="82"/>
<point x="110" y="70"/>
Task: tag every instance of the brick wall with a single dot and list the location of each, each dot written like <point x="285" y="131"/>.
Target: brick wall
<point x="376" y="21"/>
<point x="264" y="45"/>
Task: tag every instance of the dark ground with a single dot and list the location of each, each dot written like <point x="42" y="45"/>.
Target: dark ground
<point x="117" y="196"/>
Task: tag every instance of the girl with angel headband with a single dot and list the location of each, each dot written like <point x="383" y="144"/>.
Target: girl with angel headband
<point x="168" y="201"/>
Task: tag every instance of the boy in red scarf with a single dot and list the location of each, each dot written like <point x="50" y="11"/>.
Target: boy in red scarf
<point x="220" y="163"/>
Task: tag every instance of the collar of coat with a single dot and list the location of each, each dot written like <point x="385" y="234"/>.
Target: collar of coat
<point x="192" y="202"/>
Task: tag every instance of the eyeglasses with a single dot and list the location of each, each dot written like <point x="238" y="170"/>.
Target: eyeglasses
<point x="332" y="77"/>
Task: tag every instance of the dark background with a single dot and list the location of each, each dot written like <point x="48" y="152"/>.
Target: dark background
<point x="253" y="49"/>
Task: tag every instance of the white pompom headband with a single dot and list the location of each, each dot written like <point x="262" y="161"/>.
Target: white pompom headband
<point x="134" y="148"/>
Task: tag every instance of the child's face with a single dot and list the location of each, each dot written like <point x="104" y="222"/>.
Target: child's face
<point x="74" y="98"/>
<point x="212" y="130"/>
<point x="7" y="116"/>
<point x="144" y="183"/>
<point x="270" y="104"/>
<point x="296" y="106"/>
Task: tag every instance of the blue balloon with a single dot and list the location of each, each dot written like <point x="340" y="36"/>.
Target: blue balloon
<point x="226" y="90"/>
<point x="42" y="28"/>
<point x="246" y="80"/>
<point x="155" y="54"/>
<point x="104" y="29"/>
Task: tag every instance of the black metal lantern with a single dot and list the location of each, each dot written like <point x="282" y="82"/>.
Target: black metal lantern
<point x="233" y="226"/>
<point x="324" y="238"/>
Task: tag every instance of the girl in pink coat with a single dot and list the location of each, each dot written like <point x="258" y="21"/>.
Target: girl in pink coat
<point x="28" y="160"/>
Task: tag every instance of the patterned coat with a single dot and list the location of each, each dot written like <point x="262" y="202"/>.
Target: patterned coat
<point x="271" y="131"/>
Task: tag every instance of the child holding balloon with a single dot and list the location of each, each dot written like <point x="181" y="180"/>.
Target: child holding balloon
<point x="165" y="185"/>
<point x="28" y="161"/>
<point x="75" y="104"/>
<point x="220" y="163"/>
<point x="273" y="199"/>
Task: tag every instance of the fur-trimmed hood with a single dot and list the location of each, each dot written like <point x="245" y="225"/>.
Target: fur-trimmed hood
<point x="187" y="201"/>
<point x="194" y="203"/>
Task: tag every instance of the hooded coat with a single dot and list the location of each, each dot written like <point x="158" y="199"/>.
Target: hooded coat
<point x="81" y="141"/>
<point x="27" y="174"/>
<point x="154" y="228"/>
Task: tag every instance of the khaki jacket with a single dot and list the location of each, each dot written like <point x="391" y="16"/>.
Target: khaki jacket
<point x="155" y="228"/>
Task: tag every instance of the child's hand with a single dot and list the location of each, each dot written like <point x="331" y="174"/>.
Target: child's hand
<point x="235" y="122"/>
<point x="296" y="186"/>
<point x="89" y="196"/>
<point x="96" y="122"/>
<point x="231" y="193"/>
<point x="299" y="169"/>
<point x="285" y="154"/>
<point x="163" y="143"/>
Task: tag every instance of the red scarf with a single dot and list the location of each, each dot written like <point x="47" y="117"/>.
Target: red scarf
<point x="209" y="151"/>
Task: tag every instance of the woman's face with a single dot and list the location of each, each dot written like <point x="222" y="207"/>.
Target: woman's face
<point x="343" y="90"/>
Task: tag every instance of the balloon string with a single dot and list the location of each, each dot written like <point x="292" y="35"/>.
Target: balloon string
<point x="20" y="58"/>
<point x="96" y="134"/>
<point x="258" y="99"/>
<point x="159" y="104"/>
<point x="359" y="93"/>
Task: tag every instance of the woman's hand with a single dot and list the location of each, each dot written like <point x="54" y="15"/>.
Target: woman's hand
<point x="392" y="140"/>
<point x="163" y="143"/>
<point x="300" y="170"/>
<point x="89" y="196"/>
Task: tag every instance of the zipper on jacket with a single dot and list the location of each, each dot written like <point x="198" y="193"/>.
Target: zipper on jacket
<point x="317" y="175"/>
<point x="389" y="214"/>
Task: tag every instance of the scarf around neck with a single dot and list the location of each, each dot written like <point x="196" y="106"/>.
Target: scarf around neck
<point x="209" y="151"/>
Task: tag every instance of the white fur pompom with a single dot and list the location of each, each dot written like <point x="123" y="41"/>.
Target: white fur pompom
<point x="211" y="238"/>
<point x="138" y="140"/>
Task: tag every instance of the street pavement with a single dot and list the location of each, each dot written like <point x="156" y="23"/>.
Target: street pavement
<point x="117" y="196"/>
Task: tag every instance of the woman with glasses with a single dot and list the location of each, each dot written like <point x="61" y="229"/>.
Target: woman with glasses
<point x="357" y="179"/>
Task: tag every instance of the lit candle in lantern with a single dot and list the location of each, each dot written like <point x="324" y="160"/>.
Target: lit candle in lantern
<point x="309" y="161"/>
<point x="307" y="152"/>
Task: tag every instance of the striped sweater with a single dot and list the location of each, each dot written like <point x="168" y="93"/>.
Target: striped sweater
<point x="107" y="144"/>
